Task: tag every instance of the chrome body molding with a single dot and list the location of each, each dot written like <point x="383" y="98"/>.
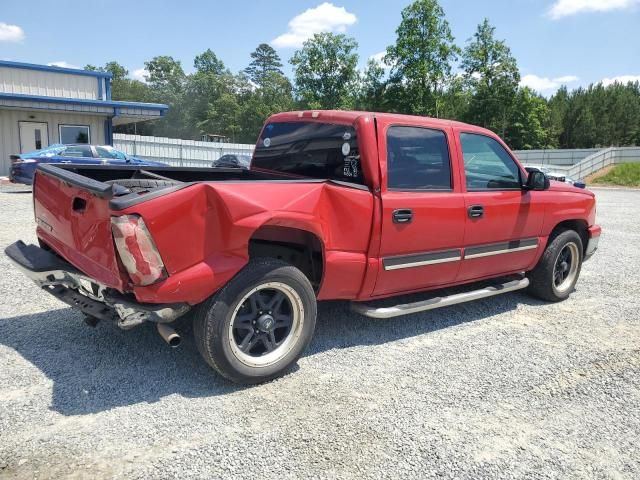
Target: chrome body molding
<point x="458" y="254"/>
<point x="500" y="248"/>
<point x="422" y="259"/>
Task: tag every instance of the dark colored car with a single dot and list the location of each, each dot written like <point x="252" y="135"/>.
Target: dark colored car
<point x="232" y="160"/>
<point x="24" y="165"/>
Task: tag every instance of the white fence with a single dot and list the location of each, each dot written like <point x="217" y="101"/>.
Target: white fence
<point x="177" y="152"/>
<point x="573" y="164"/>
<point x="604" y="158"/>
<point x="560" y="157"/>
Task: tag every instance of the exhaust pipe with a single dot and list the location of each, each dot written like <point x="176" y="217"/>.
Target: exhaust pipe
<point x="169" y="335"/>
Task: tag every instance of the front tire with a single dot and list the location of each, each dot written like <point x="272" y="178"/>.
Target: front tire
<point x="259" y="324"/>
<point x="555" y="276"/>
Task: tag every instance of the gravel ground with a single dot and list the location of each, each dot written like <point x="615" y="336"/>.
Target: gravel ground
<point x="503" y="388"/>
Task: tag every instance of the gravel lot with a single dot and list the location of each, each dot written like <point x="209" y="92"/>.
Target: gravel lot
<point x="502" y="388"/>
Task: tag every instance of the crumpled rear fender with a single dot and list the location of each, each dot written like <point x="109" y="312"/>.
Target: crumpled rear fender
<point x="202" y="233"/>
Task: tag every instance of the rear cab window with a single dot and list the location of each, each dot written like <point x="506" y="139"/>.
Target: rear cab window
<point x="310" y="150"/>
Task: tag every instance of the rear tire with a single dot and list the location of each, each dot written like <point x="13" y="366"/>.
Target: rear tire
<point x="555" y="276"/>
<point x="259" y="324"/>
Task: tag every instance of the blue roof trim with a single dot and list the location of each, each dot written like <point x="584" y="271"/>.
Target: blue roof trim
<point x="80" y="101"/>
<point x="47" y="68"/>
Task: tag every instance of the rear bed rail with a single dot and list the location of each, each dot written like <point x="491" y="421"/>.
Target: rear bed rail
<point x="100" y="189"/>
<point x="119" y="196"/>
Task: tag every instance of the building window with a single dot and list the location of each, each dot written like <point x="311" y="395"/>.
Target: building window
<point x="38" y="138"/>
<point x="75" y="134"/>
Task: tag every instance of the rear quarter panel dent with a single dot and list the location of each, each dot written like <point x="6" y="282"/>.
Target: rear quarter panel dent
<point x="203" y="233"/>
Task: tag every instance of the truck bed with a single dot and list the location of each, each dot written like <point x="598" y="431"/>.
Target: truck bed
<point x="202" y="222"/>
<point x="109" y="182"/>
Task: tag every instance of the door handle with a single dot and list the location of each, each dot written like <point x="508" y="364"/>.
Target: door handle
<point x="476" y="211"/>
<point x="402" y="215"/>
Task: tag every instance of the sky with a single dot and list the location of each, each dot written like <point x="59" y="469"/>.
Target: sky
<point x="571" y="42"/>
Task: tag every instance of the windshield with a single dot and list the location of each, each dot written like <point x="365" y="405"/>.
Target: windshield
<point x="310" y="150"/>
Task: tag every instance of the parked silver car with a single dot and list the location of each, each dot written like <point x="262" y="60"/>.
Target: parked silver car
<point x="556" y="175"/>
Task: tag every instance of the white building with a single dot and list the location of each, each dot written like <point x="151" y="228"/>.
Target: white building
<point x="42" y="105"/>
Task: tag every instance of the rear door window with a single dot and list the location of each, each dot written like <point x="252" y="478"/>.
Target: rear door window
<point x="417" y="159"/>
<point x="310" y="150"/>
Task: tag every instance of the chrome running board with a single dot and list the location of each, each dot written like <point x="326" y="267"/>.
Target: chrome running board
<point x="439" y="302"/>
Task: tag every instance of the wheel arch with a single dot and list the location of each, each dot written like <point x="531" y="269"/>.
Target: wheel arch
<point x="298" y="246"/>
<point x="580" y="226"/>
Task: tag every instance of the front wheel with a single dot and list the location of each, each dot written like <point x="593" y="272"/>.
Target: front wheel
<point x="557" y="272"/>
<point x="259" y="324"/>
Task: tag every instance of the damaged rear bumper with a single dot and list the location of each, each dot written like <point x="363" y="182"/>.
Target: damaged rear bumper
<point x="71" y="286"/>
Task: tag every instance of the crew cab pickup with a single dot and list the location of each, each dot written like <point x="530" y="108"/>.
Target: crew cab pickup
<point x="335" y="205"/>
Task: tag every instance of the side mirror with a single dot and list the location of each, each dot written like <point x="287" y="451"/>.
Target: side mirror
<point x="537" y="180"/>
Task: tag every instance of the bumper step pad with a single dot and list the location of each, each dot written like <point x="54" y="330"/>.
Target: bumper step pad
<point x="86" y="305"/>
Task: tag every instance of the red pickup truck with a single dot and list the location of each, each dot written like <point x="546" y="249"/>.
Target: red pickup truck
<point x="336" y="205"/>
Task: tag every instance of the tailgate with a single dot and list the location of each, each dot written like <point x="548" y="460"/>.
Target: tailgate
<point x="73" y="217"/>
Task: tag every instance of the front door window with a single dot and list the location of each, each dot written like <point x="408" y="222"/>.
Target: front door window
<point x="487" y="165"/>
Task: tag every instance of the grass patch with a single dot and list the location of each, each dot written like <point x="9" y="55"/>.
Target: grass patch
<point x="625" y="175"/>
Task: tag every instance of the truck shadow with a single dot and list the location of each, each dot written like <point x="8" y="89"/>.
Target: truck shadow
<point x="97" y="369"/>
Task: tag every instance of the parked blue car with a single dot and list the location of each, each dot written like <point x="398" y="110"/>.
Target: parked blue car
<point x="23" y="166"/>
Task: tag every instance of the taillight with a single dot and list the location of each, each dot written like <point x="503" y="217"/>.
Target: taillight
<point x="137" y="250"/>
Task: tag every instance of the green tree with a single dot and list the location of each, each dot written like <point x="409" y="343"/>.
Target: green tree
<point x="373" y="88"/>
<point x="421" y="59"/>
<point x="204" y="87"/>
<point x="273" y="96"/>
<point x="455" y="99"/>
<point x="166" y="81"/>
<point x="117" y="71"/>
<point x="165" y="74"/>
<point x="325" y="71"/>
<point x="596" y="116"/>
<point x="208" y="62"/>
<point x="492" y="75"/>
<point x="215" y="103"/>
<point x="265" y="61"/>
<point x="558" y="107"/>
<point x="624" y="113"/>
<point x="126" y="89"/>
<point x="527" y="126"/>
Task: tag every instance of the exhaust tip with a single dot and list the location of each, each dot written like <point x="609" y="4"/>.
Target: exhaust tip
<point x="169" y="335"/>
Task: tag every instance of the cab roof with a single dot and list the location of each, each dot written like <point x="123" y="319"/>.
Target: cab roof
<point x="351" y="116"/>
